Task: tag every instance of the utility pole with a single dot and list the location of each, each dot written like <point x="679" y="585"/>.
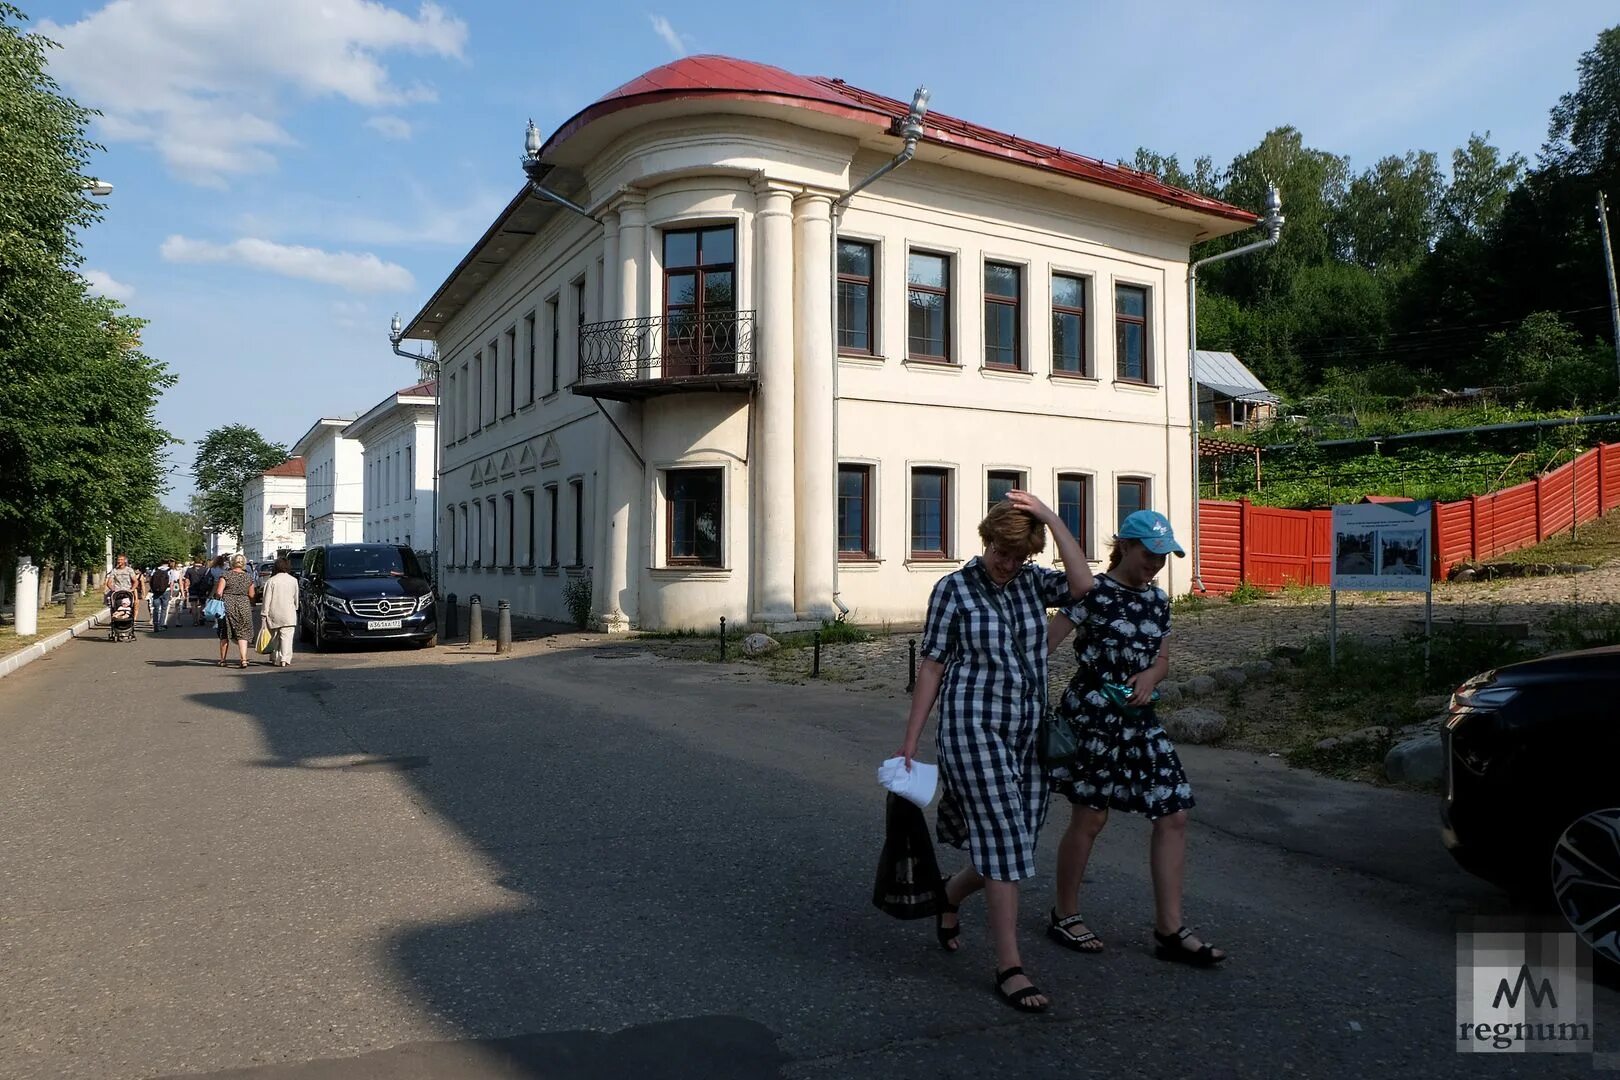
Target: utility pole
<point x="1608" y="266"/>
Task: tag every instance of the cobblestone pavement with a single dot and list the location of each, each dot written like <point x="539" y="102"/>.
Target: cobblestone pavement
<point x="1212" y="634"/>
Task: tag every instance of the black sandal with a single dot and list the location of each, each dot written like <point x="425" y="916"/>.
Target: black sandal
<point x="1018" y="998"/>
<point x="1059" y="932"/>
<point x="1171" y="949"/>
<point x="946" y="934"/>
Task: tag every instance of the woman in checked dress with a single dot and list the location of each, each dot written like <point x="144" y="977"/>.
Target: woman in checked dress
<point x="1127" y="761"/>
<point x="984" y="661"/>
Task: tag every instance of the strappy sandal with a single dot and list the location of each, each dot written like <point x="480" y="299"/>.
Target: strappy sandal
<point x="242" y="664"/>
<point x="1059" y="932"/>
<point x="1171" y="949"/>
<point x="946" y="934"/>
<point x="1018" y="998"/>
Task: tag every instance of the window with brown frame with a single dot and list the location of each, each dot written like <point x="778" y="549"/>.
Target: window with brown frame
<point x="1131" y="335"/>
<point x="856" y="307"/>
<point x="855" y="513"/>
<point x="1133" y="495"/>
<point x="511" y="371"/>
<point x="928" y="306"/>
<point x="1069" y="325"/>
<point x="1000" y="481"/>
<point x="930" y="513"/>
<point x="576" y="491"/>
<point x="552" y="316"/>
<point x="699" y="295"/>
<point x="533" y="537"/>
<point x="528" y="338"/>
<point x="511" y="530"/>
<point x="1074" y="505"/>
<point x="1003" y="292"/>
<point x="579" y="320"/>
<point x="551" y="526"/>
<point x="693" y="517"/>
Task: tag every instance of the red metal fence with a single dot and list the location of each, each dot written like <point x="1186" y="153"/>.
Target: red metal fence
<point x="1240" y="542"/>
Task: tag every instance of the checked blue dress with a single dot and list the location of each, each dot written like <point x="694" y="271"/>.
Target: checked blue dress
<point x="992" y="641"/>
<point x="1127" y="761"/>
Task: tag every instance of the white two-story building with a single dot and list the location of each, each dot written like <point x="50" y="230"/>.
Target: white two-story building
<point x="333" y="482"/>
<point x="730" y="388"/>
<point x="273" y="511"/>
<point x="396" y="438"/>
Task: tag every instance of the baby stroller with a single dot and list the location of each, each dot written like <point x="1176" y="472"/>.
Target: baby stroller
<point x="122" y="625"/>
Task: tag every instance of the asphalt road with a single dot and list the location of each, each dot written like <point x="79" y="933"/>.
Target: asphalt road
<point x="589" y="863"/>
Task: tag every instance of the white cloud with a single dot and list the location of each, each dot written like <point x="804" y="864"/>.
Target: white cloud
<point x="676" y="40"/>
<point x="390" y="127"/>
<point x="104" y="284"/>
<point x="362" y="273"/>
<point x="205" y="82"/>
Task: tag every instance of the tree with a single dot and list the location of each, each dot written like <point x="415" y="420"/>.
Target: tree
<point x="226" y="460"/>
<point x="157" y="534"/>
<point x="1203" y="179"/>
<point x="1583" y="133"/>
<point x="80" y="447"/>
<point x="1391" y="212"/>
<point x="1481" y="181"/>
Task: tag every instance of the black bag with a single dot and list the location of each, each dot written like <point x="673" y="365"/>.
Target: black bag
<point x="1055" y="743"/>
<point x="908" y="879"/>
<point x="159" y="581"/>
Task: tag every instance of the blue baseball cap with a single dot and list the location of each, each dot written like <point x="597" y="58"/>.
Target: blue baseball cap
<point x="1153" y="529"/>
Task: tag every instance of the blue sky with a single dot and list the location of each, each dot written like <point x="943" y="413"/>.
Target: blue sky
<point x="290" y="172"/>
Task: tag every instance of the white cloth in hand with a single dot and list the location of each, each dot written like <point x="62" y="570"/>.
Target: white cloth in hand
<point x="916" y="785"/>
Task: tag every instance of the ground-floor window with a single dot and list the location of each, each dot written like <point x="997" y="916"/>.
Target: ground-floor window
<point x="551" y="525"/>
<point x="511" y="531"/>
<point x="1133" y="496"/>
<point x="490" y="553"/>
<point x="930" y="513"/>
<point x="576" y="491"/>
<point x="1074" y="506"/>
<point x="532" y="537"/>
<point x="1000" y="481"/>
<point x="694" y="515"/>
<point x="855" y="512"/>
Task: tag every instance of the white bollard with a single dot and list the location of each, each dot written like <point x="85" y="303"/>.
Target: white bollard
<point x="26" y="598"/>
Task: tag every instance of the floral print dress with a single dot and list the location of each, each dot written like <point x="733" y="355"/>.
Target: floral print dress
<point x="1127" y="762"/>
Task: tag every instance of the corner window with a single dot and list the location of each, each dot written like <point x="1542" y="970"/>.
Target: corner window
<point x="1073" y="505"/>
<point x="855" y="302"/>
<point x="551" y="525"/>
<point x="700" y="302"/>
<point x="528" y="340"/>
<point x="1069" y="325"/>
<point x="552" y="317"/>
<point x="576" y="493"/>
<point x="509" y="367"/>
<point x="1003" y="290"/>
<point x="855" y="512"/>
<point x="928" y="307"/>
<point x="1133" y="496"/>
<point x="999" y="482"/>
<point x="1130" y="335"/>
<point x="694" y="516"/>
<point x="930" y="513"/>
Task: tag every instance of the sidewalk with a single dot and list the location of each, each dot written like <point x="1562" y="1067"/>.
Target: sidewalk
<point x="27" y="654"/>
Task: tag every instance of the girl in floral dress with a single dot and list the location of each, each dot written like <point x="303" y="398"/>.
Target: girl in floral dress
<point x="1127" y="762"/>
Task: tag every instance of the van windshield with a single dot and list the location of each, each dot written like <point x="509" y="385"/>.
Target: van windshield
<point x="371" y="561"/>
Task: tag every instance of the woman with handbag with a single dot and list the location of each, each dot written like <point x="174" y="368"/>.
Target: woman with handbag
<point x="280" y="612"/>
<point x="984" y="662"/>
<point x="1126" y="761"/>
<point x="236" y="591"/>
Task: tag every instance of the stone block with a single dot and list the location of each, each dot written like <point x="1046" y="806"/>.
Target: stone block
<point x="1231" y="678"/>
<point x="1259" y="669"/>
<point x="759" y="645"/>
<point x="1201" y="685"/>
<point x="1421" y="760"/>
<point x="1194" y="725"/>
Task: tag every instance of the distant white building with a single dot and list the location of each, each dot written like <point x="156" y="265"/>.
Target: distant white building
<point x="273" y="511"/>
<point x="396" y="438"/>
<point x="333" y="483"/>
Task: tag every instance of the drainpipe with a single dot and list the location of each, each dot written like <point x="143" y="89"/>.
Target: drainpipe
<point x="1272" y="219"/>
<point x="535" y="171"/>
<point x="910" y="130"/>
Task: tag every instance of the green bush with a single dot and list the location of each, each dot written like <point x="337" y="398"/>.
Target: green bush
<point x="577" y="599"/>
<point x="1247" y="593"/>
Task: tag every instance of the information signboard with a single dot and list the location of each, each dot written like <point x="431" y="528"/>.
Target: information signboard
<point x="1382" y="547"/>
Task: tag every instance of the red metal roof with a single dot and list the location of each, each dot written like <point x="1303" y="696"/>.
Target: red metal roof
<point x="290" y="467"/>
<point x="421" y="389"/>
<point x="723" y="76"/>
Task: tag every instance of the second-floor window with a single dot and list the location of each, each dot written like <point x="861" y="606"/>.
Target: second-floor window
<point x="552" y="319"/>
<point x="855" y="301"/>
<point x="699" y="298"/>
<point x="528" y="339"/>
<point x="1003" y="289"/>
<point x="1130" y="334"/>
<point x="1069" y="325"/>
<point x="928" y="307"/>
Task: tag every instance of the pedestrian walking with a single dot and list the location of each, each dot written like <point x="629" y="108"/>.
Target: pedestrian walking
<point x="280" y="612"/>
<point x="984" y="662"/>
<point x="236" y="589"/>
<point x="158" y="596"/>
<point x="121" y="578"/>
<point x="1127" y="762"/>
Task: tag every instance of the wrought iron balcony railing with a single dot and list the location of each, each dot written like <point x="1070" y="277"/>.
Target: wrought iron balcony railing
<point x="714" y="349"/>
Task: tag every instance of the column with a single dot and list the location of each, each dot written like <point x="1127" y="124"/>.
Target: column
<point x="25" y="598"/>
<point x="600" y="607"/>
<point x="620" y="477"/>
<point x="813" y="406"/>
<point x="774" y="487"/>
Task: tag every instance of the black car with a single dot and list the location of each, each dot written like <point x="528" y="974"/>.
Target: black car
<point x="365" y="592"/>
<point x="1532" y="797"/>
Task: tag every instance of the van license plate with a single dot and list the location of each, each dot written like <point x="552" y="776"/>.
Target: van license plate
<point x="385" y="624"/>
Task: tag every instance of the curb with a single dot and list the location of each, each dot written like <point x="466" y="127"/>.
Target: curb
<point x="38" y="649"/>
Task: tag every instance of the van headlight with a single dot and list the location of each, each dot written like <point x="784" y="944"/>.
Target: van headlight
<point x="336" y="603"/>
<point x="424" y="602"/>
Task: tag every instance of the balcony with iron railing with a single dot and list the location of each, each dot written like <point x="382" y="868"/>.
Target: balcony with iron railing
<point x="634" y="359"/>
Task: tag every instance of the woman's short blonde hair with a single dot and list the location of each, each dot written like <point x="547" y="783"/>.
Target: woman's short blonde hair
<point x="238" y="562"/>
<point x="1014" y="531"/>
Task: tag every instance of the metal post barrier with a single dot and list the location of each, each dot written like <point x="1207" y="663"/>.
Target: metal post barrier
<point x="450" y="617"/>
<point x="911" y="668"/>
<point x="815" y="668"/>
<point x="503" y="626"/>
<point x="722" y="639"/>
<point x="475" y="620"/>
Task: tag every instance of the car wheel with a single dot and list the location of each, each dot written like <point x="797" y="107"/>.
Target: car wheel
<point x="1586" y="880"/>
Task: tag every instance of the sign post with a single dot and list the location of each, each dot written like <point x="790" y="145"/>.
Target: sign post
<point x="1381" y="547"/>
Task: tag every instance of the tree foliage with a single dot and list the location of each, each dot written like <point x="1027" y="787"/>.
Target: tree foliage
<point x="227" y="458"/>
<point x="80" y="447"/>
